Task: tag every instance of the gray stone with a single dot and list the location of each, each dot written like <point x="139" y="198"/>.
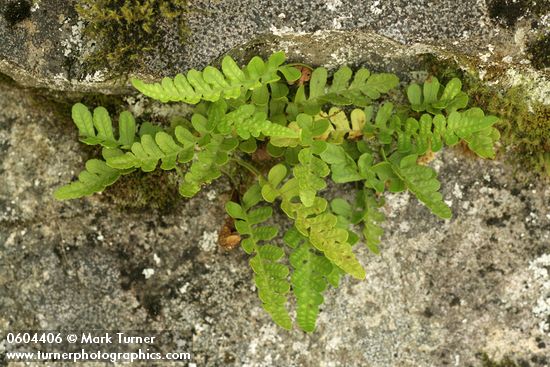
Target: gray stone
<point x="48" y="48"/>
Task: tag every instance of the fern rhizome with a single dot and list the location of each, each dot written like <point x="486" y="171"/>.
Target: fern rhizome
<point x="350" y="130"/>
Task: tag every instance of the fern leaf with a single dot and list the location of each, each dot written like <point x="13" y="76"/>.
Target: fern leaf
<point x="127" y="129"/>
<point x="428" y="99"/>
<point x="146" y="153"/>
<point x="270" y="275"/>
<point x="271" y="279"/>
<point x="206" y="166"/>
<point x="422" y="182"/>
<point x="211" y="84"/>
<point x="319" y="226"/>
<point x="95" y="178"/>
<point x="377" y="84"/>
<point x="83" y="120"/>
<point x="247" y="122"/>
<point x="317" y="83"/>
<point x="364" y="88"/>
<point x="97" y="129"/>
<point x="308" y="283"/>
<point x="310" y="173"/>
<point x="471" y="126"/>
<point x="270" y="189"/>
<point x="372" y="217"/>
<point x="343" y="167"/>
<point x="334" y="245"/>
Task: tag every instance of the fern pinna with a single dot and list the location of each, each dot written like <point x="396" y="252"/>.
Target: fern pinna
<point x="349" y="130"/>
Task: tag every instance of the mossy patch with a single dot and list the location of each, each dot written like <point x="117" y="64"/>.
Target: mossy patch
<point x="525" y="128"/>
<point x="139" y="190"/>
<point x="16" y="11"/>
<point x="508" y="12"/>
<point x="539" y="51"/>
<point x="524" y="125"/>
<point x="125" y="31"/>
<point x="505" y="362"/>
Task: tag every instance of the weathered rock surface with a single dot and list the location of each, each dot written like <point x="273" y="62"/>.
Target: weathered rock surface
<point x="48" y="47"/>
<point x="442" y="293"/>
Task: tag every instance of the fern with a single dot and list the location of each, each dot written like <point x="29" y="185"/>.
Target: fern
<point x="349" y="126"/>
<point x="309" y="281"/>
<point x="431" y="99"/>
<point x="212" y="84"/>
<point x="359" y="91"/>
<point x="95" y="178"/>
<point x="270" y="276"/>
<point x="98" y="129"/>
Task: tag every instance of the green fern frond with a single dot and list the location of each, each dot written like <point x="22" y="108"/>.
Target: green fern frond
<point x="308" y="283"/>
<point x="371" y="217"/>
<point x="212" y="84"/>
<point x="98" y="129"/>
<point x="310" y="174"/>
<point x="319" y="226"/>
<point x="360" y="91"/>
<point x="422" y="182"/>
<point x="206" y="165"/>
<point x="95" y="178"/>
<point x="146" y="153"/>
<point x="247" y="122"/>
<point x="471" y="126"/>
<point x="270" y="275"/>
<point x="271" y="279"/>
<point x="428" y="98"/>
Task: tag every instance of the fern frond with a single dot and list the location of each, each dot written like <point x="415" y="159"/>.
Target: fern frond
<point x="270" y="189"/>
<point x="428" y="98"/>
<point x="247" y="122"/>
<point x="371" y="217"/>
<point x="360" y="91"/>
<point x="271" y="279"/>
<point x="342" y="165"/>
<point x="98" y="129"/>
<point x="471" y="126"/>
<point x="206" y="165"/>
<point x="333" y="242"/>
<point x="319" y="226"/>
<point x="146" y="153"/>
<point x="212" y="84"/>
<point x="95" y="178"/>
<point x="422" y="182"/>
<point x="270" y="275"/>
<point x="310" y="174"/>
<point x="308" y="283"/>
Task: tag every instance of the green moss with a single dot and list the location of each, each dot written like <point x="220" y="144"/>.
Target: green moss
<point x="525" y="129"/>
<point x="539" y="51"/>
<point x="508" y="12"/>
<point x="141" y="190"/>
<point x="17" y="11"/>
<point x="488" y="362"/>
<point x="525" y="126"/>
<point x="126" y="31"/>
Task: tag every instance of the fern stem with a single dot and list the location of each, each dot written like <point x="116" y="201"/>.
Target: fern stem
<point x="179" y="171"/>
<point x="300" y="64"/>
<point x="247" y="165"/>
<point x="231" y="178"/>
